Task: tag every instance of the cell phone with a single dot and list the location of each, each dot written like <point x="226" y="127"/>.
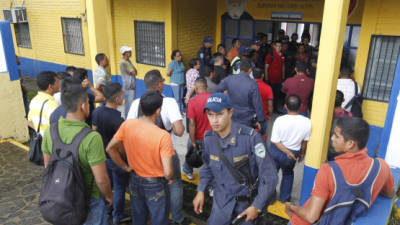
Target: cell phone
<point x="238" y="221"/>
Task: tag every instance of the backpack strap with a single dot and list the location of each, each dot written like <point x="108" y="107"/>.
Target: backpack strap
<point x="76" y="141"/>
<point x="354" y="97"/>
<point x="40" y="116"/>
<point x="338" y="176"/>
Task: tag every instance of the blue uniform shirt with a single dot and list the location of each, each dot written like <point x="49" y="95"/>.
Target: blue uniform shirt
<point x="243" y="143"/>
<point x="245" y="97"/>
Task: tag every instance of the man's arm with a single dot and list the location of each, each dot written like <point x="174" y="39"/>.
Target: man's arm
<point x="388" y="194"/>
<point x="99" y="97"/>
<point x="192" y="131"/>
<point x="30" y="124"/>
<point x="311" y="212"/>
<point x="270" y="108"/>
<point x="267" y="178"/>
<point x="303" y="150"/>
<point x="168" y="169"/>
<point x="283" y="149"/>
<point x="178" y="128"/>
<point x="46" y="159"/>
<point x="114" y="149"/>
<point x="257" y="104"/>
<point x="102" y="181"/>
<point x="266" y="72"/>
<point x="133" y="72"/>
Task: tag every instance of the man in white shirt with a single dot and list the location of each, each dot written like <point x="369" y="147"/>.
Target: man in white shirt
<point x="289" y="137"/>
<point x="170" y="119"/>
<point x="347" y="85"/>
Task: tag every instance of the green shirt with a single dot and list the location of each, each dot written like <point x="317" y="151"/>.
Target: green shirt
<point x="91" y="150"/>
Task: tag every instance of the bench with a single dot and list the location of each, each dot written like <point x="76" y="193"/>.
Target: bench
<point x="380" y="211"/>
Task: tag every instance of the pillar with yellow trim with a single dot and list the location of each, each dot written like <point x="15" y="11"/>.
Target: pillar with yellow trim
<point x="330" y="53"/>
<point x="99" y="23"/>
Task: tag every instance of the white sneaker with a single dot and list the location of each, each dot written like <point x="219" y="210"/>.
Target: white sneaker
<point x="188" y="175"/>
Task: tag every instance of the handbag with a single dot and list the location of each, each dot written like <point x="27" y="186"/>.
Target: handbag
<point x="194" y="157"/>
<point x="35" y="145"/>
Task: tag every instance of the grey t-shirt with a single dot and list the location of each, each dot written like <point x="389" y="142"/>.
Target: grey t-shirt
<point x="128" y="80"/>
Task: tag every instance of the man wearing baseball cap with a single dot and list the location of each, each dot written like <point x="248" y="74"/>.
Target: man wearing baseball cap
<point x="204" y="53"/>
<point x="231" y="147"/>
<point x="128" y="74"/>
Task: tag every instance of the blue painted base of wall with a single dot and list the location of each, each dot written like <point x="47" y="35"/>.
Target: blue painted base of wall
<point x="307" y="184"/>
<point x="375" y="137"/>
<point x="32" y="67"/>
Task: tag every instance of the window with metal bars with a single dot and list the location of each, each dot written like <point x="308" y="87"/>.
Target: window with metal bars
<point x="22" y="35"/>
<point x="150" y="43"/>
<point x="72" y="35"/>
<point x="379" y="74"/>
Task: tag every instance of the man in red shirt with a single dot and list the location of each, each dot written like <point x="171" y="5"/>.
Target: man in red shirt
<point x="300" y="85"/>
<point x="274" y="72"/>
<point x="198" y="121"/>
<point x="267" y="96"/>
<point x="350" y="137"/>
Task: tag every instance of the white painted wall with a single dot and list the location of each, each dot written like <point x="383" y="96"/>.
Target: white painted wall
<point x="393" y="149"/>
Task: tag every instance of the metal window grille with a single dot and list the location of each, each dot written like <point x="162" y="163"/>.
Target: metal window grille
<point x="383" y="54"/>
<point x="22" y="35"/>
<point x="150" y="43"/>
<point x="72" y="35"/>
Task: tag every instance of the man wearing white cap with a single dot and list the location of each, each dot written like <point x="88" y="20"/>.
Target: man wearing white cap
<point x="128" y="73"/>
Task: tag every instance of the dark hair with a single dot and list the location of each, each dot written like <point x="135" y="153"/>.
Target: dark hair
<point x="80" y="74"/>
<point x="355" y="129"/>
<point x="173" y="54"/>
<point x="294" y="33"/>
<point x="62" y="75"/>
<point x="260" y="36"/>
<point x="293" y="103"/>
<point x="277" y="41"/>
<point x="111" y="90"/>
<point x="257" y="73"/>
<point x="301" y="67"/>
<point x="234" y="41"/>
<point x="217" y="56"/>
<point x="206" y="71"/>
<point x="72" y="93"/>
<point x="44" y="79"/>
<point x="346" y="70"/>
<point x="202" y="81"/>
<point x="245" y="64"/>
<point x="193" y="62"/>
<point x="70" y="69"/>
<point x="221" y="46"/>
<point x="152" y="79"/>
<point x="339" y="98"/>
<point x="150" y="102"/>
<point x="100" y="57"/>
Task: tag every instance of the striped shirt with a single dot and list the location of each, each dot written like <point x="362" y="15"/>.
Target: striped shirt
<point x="34" y="110"/>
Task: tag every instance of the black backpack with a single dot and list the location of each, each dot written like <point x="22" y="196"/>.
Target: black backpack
<point x="355" y="103"/>
<point x="62" y="197"/>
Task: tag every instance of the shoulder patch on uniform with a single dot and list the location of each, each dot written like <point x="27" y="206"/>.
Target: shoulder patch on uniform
<point x="246" y="131"/>
<point x="201" y="55"/>
<point x="259" y="150"/>
<point x="214" y="157"/>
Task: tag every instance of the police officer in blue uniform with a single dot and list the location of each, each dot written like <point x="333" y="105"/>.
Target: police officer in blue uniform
<point x="245" y="96"/>
<point x="204" y="54"/>
<point x="243" y="146"/>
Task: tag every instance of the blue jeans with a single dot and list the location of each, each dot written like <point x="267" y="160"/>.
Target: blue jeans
<point x="287" y="166"/>
<point x="120" y="180"/>
<point x="129" y="96"/>
<point x="149" y="197"/>
<point x="176" y="192"/>
<point x="178" y="95"/>
<point x="186" y="167"/>
<point x="97" y="212"/>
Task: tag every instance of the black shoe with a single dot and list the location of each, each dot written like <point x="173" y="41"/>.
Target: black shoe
<point x="186" y="221"/>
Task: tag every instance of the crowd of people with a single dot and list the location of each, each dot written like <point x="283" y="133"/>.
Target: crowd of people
<point x="230" y="99"/>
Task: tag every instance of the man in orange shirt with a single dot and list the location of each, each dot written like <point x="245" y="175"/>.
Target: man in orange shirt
<point x="234" y="50"/>
<point x="149" y="151"/>
<point x="342" y="188"/>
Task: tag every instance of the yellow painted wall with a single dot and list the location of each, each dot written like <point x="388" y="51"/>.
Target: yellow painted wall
<point x="381" y="17"/>
<point x="125" y="12"/>
<point x="312" y="10"/>
<point x="12" y="118"/>
<point x="194" y="20"/>
<point x="45" y="28"/>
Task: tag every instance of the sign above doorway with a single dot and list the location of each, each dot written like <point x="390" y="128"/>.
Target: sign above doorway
<point x="287" y="15"/>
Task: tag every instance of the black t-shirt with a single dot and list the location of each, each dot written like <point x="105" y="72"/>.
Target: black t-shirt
<point x="107" y="121"/>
